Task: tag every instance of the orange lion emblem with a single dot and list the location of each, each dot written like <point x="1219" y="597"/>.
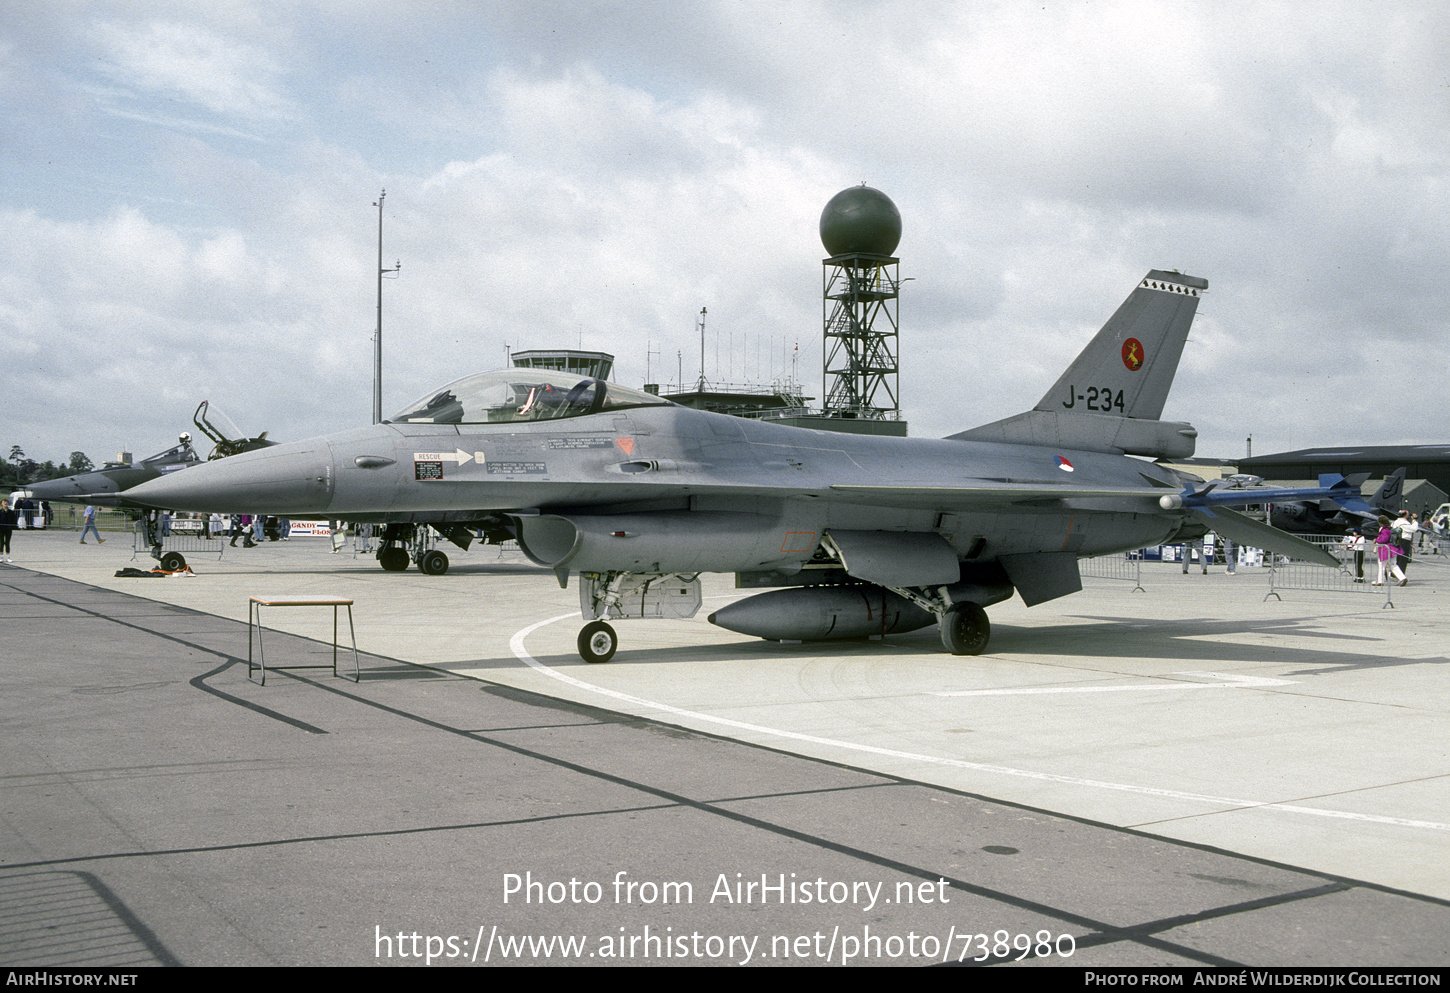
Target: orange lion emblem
<point x="1133" y="354"/>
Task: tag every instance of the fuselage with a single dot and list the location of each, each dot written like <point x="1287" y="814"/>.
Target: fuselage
<point x="650" y="461"/>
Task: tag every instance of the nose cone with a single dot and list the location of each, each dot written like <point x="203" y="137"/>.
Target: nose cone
<point x="287" y="479"/>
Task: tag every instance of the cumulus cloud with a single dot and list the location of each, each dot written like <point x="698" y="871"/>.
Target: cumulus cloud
<point x="190" y="62"/>
<point x="595" y="174"/>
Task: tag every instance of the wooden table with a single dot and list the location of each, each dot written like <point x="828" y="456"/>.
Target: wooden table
<point x="255" y="605"/>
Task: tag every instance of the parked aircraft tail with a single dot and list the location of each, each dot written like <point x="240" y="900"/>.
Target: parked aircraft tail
<point x="1127" y="369"/>
<point x="1386" y="499"/>
<point x="1110" y="398"/>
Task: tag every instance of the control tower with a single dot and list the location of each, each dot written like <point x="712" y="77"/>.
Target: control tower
<point x="595" y="365"/>
<point x="860" y="228"/>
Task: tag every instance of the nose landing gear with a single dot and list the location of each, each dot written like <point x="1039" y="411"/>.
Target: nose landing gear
<point x="597" y="642"/>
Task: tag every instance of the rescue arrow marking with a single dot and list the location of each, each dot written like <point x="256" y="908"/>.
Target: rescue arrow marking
<point x="458" y="455"/>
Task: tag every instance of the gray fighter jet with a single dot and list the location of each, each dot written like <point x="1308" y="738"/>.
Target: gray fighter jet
<point x="104" y="486"/>
<point x="863" y="535"/>
<point x="107" y="486"/>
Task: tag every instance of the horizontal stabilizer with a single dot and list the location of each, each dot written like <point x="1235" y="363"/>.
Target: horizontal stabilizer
<point x="1247" y="531"/>
<point x="1090" y="433"/>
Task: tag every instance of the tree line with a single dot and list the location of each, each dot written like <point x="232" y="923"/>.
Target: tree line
<point x="19" y="470"/>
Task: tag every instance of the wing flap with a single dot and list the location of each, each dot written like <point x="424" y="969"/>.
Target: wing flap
<point x="987" y="496"/>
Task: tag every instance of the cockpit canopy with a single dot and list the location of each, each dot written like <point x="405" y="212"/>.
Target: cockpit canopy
<point x="521" y="395"/>
<point x="172" y="456"/>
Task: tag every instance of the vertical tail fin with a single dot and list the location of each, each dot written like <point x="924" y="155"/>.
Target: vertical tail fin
<point x="1387" y="498"/>
<point x="1127" y="368"/>
<point x="1111" y="397"/>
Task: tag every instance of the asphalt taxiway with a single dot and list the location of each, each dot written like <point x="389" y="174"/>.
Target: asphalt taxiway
<point x="1187" y="775"/>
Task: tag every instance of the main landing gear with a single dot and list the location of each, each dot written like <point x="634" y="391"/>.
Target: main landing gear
<point x="965" y="629"/>
<point x="402" y="543"/>
<point x="963" y="624"/>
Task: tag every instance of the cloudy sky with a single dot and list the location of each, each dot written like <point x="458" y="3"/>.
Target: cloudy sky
<point x="187" y="211"/>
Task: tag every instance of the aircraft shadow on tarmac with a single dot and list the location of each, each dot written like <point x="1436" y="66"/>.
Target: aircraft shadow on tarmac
<point x="454" y="571"/>
<point x="498" y="569"/>
<point x="1179" y="640"/>
<point x="1099" y="638"/>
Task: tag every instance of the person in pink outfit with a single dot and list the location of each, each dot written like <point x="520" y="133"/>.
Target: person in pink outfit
<point x="1388" y="552"/>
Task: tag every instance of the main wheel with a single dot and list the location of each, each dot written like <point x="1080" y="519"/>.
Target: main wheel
<point x="433" y="563"/>
<point x="965" y="629"/>
<point x="597" y="642"/>
<point x="173" y="562"/>
<point x="393" y="559"/>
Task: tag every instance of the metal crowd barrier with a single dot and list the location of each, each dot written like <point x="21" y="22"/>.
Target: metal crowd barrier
<point x="367" y="537"/>
<point x="1126" y="566"/>
<point x="183" y="542"/>
<point x="1292" y="574"/>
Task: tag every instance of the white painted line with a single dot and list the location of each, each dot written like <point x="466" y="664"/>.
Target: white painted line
<point x="516" y="643"/>
<point x="1231" y="682"/>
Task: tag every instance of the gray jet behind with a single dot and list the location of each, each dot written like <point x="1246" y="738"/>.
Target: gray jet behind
<point x="862" y="535"/>
<point x="107" y="486"/>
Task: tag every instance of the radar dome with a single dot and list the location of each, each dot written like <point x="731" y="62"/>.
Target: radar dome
<point x="860" y="220"/>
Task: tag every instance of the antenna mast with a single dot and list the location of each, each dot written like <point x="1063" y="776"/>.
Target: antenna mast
<point x="701" y="385"/>
<point x="378" y="337"/>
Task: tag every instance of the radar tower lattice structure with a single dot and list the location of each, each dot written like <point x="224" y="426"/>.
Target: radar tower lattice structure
<point x="860" y="228"/>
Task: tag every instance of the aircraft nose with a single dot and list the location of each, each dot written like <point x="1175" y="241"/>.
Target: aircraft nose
<point x="289" y="479"/>
<point x="70" y="486"/>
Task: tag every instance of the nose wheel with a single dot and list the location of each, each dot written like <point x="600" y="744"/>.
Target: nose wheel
<point x="597" y="642"/>
<point x="965" y="629"/>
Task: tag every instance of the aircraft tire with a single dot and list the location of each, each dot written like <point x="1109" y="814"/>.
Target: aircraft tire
<point x="393" y="559"/>
<point x="433" y="563"/>
<point x="965" y="629"/>
<point x="173" y="561"/>
<point x="597" y="642"/>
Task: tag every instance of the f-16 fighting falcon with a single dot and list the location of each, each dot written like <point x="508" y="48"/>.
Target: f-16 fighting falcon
<point x="107" y="486"/>
<point x="636" y="496"/>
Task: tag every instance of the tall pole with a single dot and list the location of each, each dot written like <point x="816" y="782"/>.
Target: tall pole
<point x="378" y="336"/>
<point x="701" y="384"/>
